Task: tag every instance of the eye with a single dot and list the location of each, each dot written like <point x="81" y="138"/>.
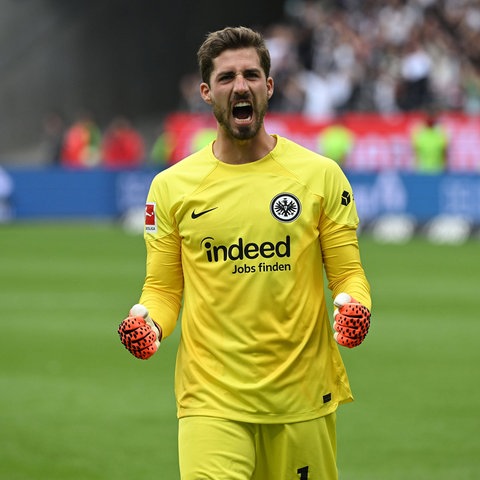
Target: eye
<point x="225" y="77"/>
<point x="253" y="74"/>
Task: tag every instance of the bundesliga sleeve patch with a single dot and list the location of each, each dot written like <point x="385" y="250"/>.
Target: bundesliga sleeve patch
<point x="150" y="218"/>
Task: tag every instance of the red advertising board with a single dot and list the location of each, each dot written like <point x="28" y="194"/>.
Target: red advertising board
<point x="381" y="142"/>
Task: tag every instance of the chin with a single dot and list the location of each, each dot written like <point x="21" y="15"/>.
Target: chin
<point x="245" y="133"/>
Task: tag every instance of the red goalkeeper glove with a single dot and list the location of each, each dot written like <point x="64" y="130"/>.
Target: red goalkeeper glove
<point x="139" y="333"/>
<point x="352" y="321"/>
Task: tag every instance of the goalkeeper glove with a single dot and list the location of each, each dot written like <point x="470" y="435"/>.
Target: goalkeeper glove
<point x="352" y="321"/>
<point x="139" y="333"/>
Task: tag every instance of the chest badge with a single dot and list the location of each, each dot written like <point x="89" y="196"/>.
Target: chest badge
<point x="285" y="207"/>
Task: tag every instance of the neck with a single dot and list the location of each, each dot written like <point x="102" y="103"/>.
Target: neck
<point x="237" y="152"/>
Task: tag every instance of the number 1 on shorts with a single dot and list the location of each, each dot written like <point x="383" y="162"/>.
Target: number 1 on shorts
<point x="303" y="472"/>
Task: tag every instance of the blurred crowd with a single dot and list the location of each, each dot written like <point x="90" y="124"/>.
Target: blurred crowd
<point x="371" y="55"/>
<point x="329" y="58"/>
<point x="83" y="144"/>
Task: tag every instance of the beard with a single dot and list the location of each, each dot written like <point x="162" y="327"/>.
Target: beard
<point x="240" y="132"/>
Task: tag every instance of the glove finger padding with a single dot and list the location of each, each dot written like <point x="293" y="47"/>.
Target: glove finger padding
<point x="354" y="310"/>
<point x="138" y="337"/>
<point x="361" y="324"/>
<point x="346" y="341"/>
<point x="131" y="323"/>
<point x="348" y="332"/>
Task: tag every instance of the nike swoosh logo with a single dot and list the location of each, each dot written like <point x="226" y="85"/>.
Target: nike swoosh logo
<point x="199" y="214"/>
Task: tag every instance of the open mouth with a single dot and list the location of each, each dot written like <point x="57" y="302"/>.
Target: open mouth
<point x="243" y="111"/>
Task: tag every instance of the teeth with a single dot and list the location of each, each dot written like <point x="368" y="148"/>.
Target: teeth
<point x="243" y="104"/>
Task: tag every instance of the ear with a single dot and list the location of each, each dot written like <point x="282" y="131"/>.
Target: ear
<point x="269" y="87"/>
<point x="205" y="93"/>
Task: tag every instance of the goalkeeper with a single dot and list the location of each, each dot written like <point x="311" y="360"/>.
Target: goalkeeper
<point x="241" y="231"/>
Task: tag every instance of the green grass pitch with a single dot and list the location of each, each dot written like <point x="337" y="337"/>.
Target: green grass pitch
<point x="74" y="404"/>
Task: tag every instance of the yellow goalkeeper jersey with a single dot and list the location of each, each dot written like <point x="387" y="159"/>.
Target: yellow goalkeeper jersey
<point x="244" y="248"/>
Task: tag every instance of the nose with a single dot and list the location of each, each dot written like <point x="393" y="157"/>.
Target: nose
<point x="240" y="84"/>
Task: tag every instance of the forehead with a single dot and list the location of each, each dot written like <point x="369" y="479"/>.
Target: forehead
<point x="236" y="60"/>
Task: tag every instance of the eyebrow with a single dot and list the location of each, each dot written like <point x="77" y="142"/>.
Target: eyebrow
<point x="246" y="71"/>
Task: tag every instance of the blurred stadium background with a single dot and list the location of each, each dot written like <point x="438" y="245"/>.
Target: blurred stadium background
<point x="74" y="404"/>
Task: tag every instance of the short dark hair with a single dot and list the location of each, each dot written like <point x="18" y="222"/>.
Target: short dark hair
<point x="231" y="38"/>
